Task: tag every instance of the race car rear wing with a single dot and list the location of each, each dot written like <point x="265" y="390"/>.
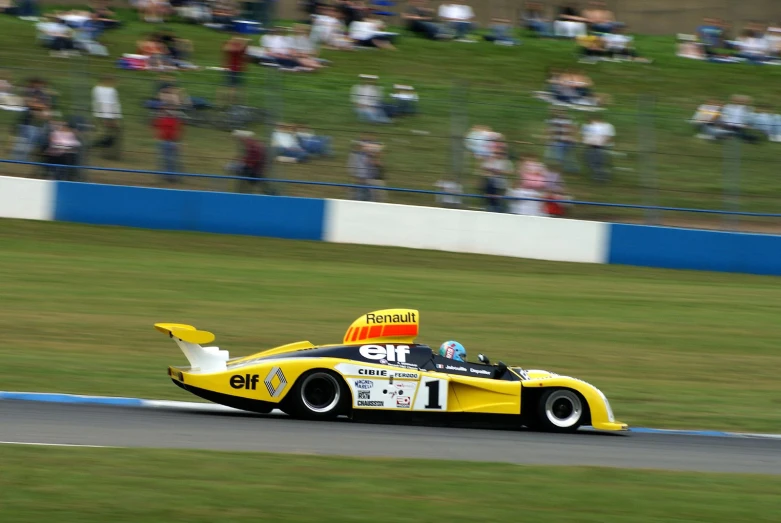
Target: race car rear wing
<point x="190" y="341"/>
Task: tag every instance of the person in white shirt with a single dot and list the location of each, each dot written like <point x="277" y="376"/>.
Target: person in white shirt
<point x="276" y="49"/>
<point x="367" y="98"/>
<point x="460" y="18"/>
<point x="107" y="110"/>
<point x="736" y="118"/>
<point x="285" y="144"/>
<point x="707" y="120"/>
<point x="598" y="136"/>
<point x="753" y="47"/>
<point x="369" y="33"/>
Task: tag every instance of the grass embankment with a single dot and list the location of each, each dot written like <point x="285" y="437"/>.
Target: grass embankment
<point x="690" y="172"/>
<point x="670" y="349"/>
<point x="97" y="485"/>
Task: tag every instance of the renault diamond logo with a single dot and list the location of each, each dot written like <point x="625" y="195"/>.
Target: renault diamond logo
<point x="275" y="382"/>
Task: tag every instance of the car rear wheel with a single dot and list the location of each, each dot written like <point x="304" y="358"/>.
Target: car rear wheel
<point x="320" y="394"/>
<point x="561" y="410"/>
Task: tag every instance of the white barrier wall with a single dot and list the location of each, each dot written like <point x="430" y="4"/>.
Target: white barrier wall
<point x="466" y="231"/>
<point x="26" y="199"/>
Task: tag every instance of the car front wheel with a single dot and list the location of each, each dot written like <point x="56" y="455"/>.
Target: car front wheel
<point x="561" y="410"/>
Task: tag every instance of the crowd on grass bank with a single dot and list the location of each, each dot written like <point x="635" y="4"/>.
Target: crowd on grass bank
<point x="499" y="168"/>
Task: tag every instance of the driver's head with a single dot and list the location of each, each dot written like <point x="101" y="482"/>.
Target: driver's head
<point x="453" y="350"/>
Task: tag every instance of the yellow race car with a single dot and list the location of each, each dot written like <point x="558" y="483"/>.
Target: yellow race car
<point x="379" y="370"/>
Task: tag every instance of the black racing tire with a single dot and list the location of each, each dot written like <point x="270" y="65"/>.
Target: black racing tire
<point x="561" y="410"/>
<point x="319" y="394"/>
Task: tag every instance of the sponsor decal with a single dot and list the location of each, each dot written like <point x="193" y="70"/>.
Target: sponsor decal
<point x="370" y="403"/>
<point x="364" y="384"/>
<point x="453" y="367"/>
<point x="403" y="365"/>
<point x="450" y="352"/>
<point x="410" y="375"/>
<point x="403" y="402"/>
<point x="246" y="381"/>
<point x="480" y="371"/>
<point x="373" y="372"/>
<point x="364" y="395"/>
<point x="440" y="366"/>
<point x="275" y="382"/>
<point x="391" y="353"/>
<point x="391" y="318"/>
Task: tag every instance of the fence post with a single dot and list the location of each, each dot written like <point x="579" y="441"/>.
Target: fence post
<point x="649" y="180"/>
<point x="459" y="124"/>
<point x="731" y="180"/>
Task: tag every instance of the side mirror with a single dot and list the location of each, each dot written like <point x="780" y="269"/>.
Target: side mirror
<point x="483" y="359"/>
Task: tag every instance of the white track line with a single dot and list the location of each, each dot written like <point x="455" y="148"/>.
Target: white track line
<point x="55" y="444"/>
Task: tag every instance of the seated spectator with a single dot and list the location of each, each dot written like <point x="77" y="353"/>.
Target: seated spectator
<point x="369" y="32"/>
<point x="711" y="34"/>
<point x="501" y="32"/>
<point x="329" y="31"/>
<point x="772" y="39"/>
<point x="707" y="120"/>
<point x="736" y="118"/>
<point x="301" y="49"/>
<point x="535" y="20"/>
<point x="421" y="20"/>
<point x="104" y="15"/>
<point x="154" y="11"/>
<point x="367" y="98"/>
<point x="286" y="146"/>
<point x="767" y="123"/>
<point x="569" y="23"/>
<point x="618" y="45"/>
<point x="314" y="144"/>
<point x="404" y="101"/>
<point x="753" y="48"/>
<point x="276" y="50"/>
<point x="600" y="18"/>
<point x="352" y="10"/>
<point x="592" y="47"/>
<point x="58" y="37"/>
<point x="460" y="18"/>
<point x="155" y="51"/>
<point x="225" y="12"/>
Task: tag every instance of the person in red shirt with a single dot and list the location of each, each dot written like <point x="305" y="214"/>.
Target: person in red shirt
<point x="169" y="128"/>
<point x="235" y="61"/>
<point x="251" y="162"/>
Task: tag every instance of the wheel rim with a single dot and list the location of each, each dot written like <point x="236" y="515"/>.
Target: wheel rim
<point x="320" y="392"/>
<point x="563" y="409"/>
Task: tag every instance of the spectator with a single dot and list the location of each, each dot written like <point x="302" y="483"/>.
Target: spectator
<point x="277" y="50"/>
<point x="479" y="141"/>
<point x="420" y="19"/>
<point x="555" y="193"/>
<point x="235" y="61"/>
<point x="329" y="31"/>
<point x="286" y="145"/>
<point x="569" y="22"/>
<point x="154" y="50"/>
<point x="460" y="18"/>
<point x="62" y="148"/>
<point x="369" y="32"/>
<point x="598" y="137"/>
<point x="367" y="98"/>
<point x="501" y="32"/>
<point x="707" y="120"/>
<point x="711" y="34"/>
<point x="562" y="141"/>
<point x="312" y="143"/>
<point x="57" y="37"/>
<point x="535" y="20"/>
<point x="527" y="192"/>
<point x="224" y="12"/>
<point x="251" y="163"/>
<point x="302" y="49"/>
<point x="618" y="45"/>
<point x="169" y="130"/>
<point x="359" y="166"/>
<point x="767" y="123"/>
<point x="600" y="18"/>
<point x="495" y="171"/>
<point x="592" y="47"/>
<point x="107" y="111"/>
<point x="405" y="100"/>
<point x="736" y="118"/>
<point x="753" y="48"/>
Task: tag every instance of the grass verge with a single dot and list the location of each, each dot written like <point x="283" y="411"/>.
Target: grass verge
<point x="98" y="485"/>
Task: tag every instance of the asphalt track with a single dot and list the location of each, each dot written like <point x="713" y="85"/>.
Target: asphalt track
<point x="56" y="423"/>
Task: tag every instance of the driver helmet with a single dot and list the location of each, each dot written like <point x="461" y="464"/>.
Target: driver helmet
<point x="453" y="350"/>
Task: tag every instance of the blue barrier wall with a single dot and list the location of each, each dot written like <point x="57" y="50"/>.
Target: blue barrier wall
<point x="672" y="248"/>
<point x="224" y="213"/>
